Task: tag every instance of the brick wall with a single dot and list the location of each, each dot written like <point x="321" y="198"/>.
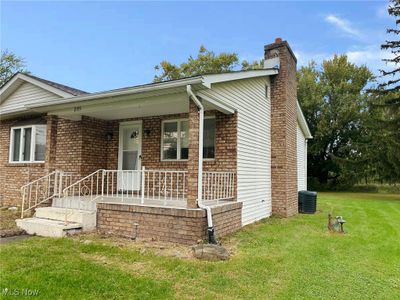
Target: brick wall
<point x="94" y="145"/>
<point x="193" y="160"/>
<point x="283" y="130"/>
<point x="81" y="146"/>
<point x="69" y="146"/>
<point x="185" y="226"/>
<point x="225" y="140"/>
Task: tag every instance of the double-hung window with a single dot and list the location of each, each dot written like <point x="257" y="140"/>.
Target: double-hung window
<point x="28" y="144"/>
<point x="175" y="139"/>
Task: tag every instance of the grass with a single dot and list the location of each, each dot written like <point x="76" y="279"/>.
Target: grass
<point x="7" y="218"/>
<point x="8" y="226"/>
<point x="293" y="258"/>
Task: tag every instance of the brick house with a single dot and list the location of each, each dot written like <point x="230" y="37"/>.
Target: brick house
<point x="171" y="160"/>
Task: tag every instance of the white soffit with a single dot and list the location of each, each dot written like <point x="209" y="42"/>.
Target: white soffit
<point x="135" y="95"/>
<point x="208" y="80"/>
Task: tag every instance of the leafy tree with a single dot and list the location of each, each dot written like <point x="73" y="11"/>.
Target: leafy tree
<point x="9" y="65"/>
<point x="384" y="124"/>
<point x="334" y="103"/>
<point x="257" y="64"/>
<point x="206" y="62"/>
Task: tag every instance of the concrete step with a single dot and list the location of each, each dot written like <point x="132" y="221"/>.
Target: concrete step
<point x="70" y="202"/>
<point x="84" y="217"/>
<point x="49" y="228"/>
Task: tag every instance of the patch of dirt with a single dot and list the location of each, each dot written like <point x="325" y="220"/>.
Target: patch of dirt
<point x="150" y="246"/>
<point x="144" y="246"/>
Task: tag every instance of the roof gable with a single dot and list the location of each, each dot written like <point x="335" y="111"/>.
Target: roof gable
<point x="25" y="93"/>
<point x="56" y="88"/>
<point x="24" y="89"/>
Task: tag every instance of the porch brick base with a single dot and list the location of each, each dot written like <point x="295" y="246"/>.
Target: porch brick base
<point x="183" y="226"/>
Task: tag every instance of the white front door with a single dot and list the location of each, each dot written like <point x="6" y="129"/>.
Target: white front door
<point x="129" y="158"/>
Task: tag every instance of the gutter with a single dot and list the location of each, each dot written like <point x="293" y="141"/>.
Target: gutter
<point x="119" y="92"/>
<point x="210" y="229"/>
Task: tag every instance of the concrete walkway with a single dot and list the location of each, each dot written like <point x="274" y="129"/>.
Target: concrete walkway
<point x="10" y="239"/>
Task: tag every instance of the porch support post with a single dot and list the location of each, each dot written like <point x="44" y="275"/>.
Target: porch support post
<point x="51" y="142"/>
<point x="192" y="165"/>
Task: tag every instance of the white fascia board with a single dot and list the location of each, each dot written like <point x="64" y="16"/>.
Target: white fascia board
<point x="116" y="93"/>
<point x="208" y="80"/>
<point x="15" y="82"/>
<point x="220" y="106"/>
<point x="13" y="113"/>
<point x="9" y="88"/>
<point x="303" y="123"/>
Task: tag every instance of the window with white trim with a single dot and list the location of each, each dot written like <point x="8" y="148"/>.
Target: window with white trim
<point x="175" y="139"/>
<point x="28" y="144"/>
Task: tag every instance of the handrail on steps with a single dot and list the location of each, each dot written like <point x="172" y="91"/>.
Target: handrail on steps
<point x="43" y="189"/>
<point x="86" y="186"/>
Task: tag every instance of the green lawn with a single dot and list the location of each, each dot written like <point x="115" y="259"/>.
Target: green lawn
<point x="292" y="258"/>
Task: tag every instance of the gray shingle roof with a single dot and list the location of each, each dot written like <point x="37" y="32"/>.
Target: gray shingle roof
<point x="60" y="86"/>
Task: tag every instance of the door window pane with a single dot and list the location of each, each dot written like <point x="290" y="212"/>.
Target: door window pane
<point x="130" y="138"/>
<point x="129" y="160"/>
<point x="209" y="138"/>
<point x="184" y="139"/>
<point x="16" y="145"/>
<point x="26" y="155"/>
<point x="40" y="143"/>
<point x="170" y="140"/>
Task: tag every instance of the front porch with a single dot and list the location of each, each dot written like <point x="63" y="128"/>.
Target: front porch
<point x="155" y="188"/>
<point x="111" y="202"/>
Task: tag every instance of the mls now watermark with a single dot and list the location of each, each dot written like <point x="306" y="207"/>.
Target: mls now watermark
<point x="20" y="292"/>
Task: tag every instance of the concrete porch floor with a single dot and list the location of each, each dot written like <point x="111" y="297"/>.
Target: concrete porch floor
<point x="88" y="203"/>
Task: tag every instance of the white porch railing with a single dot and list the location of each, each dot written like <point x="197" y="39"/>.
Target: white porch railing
<point x="161" y="185"/>
<point x="218" y="185"/>
<point x="89" y="187"/>
<point x="44" y="189"/>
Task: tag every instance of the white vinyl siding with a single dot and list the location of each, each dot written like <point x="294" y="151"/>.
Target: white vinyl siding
<point x="253" y="143"/>
<point x="301" y="160"/>
<point x="27" y="93"/>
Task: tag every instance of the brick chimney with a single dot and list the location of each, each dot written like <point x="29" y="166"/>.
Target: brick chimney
<point x="283" y="130"/>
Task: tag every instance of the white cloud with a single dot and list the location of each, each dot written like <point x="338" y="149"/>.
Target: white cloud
<point x="382" y="11"/>
<point x="371" y="56"/>
<point x="303" y="57"/>
<point x="343" y="25"/>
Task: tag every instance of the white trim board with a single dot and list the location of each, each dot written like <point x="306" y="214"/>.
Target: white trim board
<point x="20" y="78"/>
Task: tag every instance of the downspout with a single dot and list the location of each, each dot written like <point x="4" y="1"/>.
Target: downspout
<point x="210" y="229"/>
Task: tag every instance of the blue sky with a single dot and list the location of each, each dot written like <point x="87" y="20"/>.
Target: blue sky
<point x="97" y="46"/>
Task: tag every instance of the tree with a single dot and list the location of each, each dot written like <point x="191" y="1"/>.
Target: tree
<point x="206" y="62"/>
<point x="384" y="108"/>
<point x="9" y="65"/>
<point x="334" y="102"/>
<point x="257" y="64"/>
